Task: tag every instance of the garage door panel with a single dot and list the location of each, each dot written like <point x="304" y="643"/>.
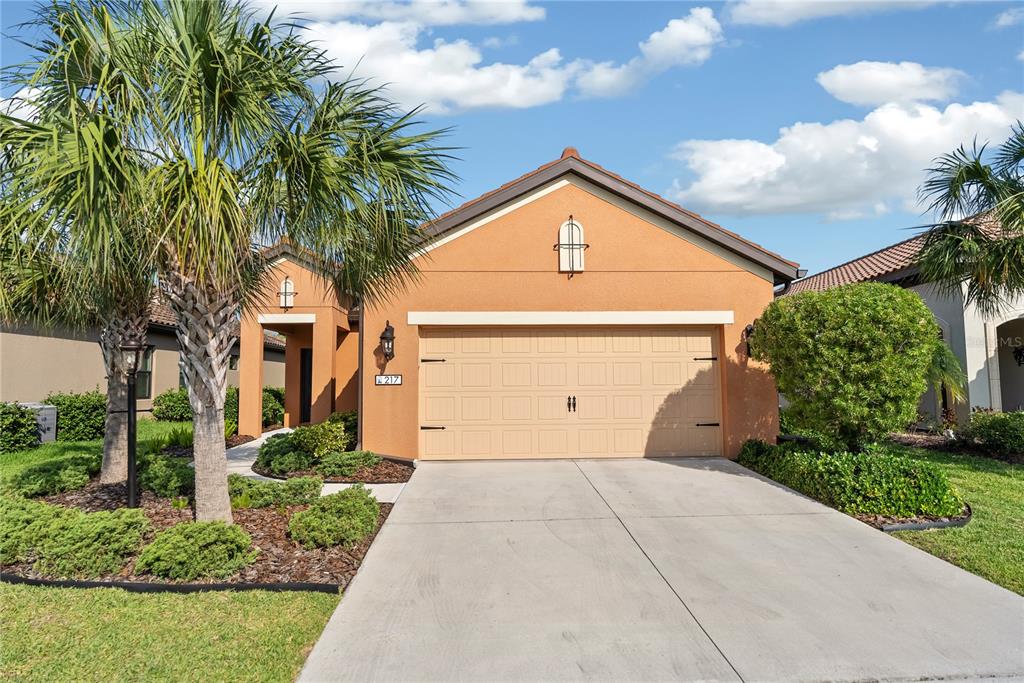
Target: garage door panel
<point x="502" y="393"/>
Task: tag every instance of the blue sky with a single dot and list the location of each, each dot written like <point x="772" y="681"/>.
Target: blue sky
<point x="804" y="126"/>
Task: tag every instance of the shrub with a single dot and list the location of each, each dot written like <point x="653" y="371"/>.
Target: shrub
<point x="997" y="433"/>
<point x="230" y="428"/>
<point x="166" y="476"/>
<point x="18" y="428"/>
<point x="350" y="419"/>
<point x="191" y="550"/>
<point x="64" y="473"/>
<point x="878" y="481"/>
<point x="179" y="437"/>
<point x="63" y="542"/>
<point x="320" y="439"/>
<point x="251" y="493"/>
<point x="346" y="463"/>
<point x="343" y="518"/>
<point x="281" y="455"/>
<point x="273" y="406"/>
<point x="172" y="406"/>
<point x="80" y="417"/>
<point x="852" y="361"/>
<point x="231" y="404"/>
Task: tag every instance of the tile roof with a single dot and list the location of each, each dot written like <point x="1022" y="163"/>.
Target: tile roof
<point x="160" y="313"/>
<point x="875" y="265"/>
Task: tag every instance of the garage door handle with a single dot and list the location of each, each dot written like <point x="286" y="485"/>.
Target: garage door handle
<point x="702" y="424"/>
<point x="574" y="404"/>
<point x="426" y="428"/>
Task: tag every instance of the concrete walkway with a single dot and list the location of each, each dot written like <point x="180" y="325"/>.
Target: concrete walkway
<point x="652" y="570"/>
<point x="241" y="458"/>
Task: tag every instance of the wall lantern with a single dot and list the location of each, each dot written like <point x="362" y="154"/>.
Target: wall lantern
<point x="387" y="341"/>
<point x="132" y="351"/>
<point x="748" y="332"/>
<point x="287" y="293"/>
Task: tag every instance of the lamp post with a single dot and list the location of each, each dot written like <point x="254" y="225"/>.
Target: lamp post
<point x="131" y="354"/>
<point x="387" y="341"/>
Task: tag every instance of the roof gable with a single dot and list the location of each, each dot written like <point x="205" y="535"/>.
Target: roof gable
<point x="571" y="163"/>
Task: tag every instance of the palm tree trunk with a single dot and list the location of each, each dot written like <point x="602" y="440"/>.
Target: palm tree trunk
<point x="115" y="436"/>
<point x="206" y="331"/>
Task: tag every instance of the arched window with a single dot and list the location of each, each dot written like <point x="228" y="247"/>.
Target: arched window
<point x="287" y="293"/>
<point x="570" y="247"/>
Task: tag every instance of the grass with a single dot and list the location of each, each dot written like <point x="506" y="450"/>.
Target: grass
<point x="992" y="544"/>
<point x="107" y="634"/>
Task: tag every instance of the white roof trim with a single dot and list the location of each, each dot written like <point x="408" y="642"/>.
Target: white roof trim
<point x="496" y="318"/>
<point x="285" y="318"/>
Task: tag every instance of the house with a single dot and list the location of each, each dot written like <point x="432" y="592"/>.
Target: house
<point x="991" y="351"/>
<point x="34" y="363"/>
<point x="568" y="313"/>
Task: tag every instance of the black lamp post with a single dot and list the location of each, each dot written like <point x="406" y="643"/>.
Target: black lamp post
<point x="131" y="354"/>
<point x="387" y="341"/>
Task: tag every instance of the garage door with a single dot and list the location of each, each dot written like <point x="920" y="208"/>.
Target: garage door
<point x="568" y="392"/>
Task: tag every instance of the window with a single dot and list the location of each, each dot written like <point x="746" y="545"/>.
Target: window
<point x="287" y="293"/>
<point x="570" y="247"/>
<point x="144" y="377"/>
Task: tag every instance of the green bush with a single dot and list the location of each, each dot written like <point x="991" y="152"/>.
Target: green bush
<point x="191" y="550"/>
<point x="64" y="542"/>
<point x="18" y="428"/>
<point x="179" y="437"/>
<point x="343" y="518"/>
<point x="80" y="417"/>
<point x="350" y="419"/>
<point x="231" y="404"/>
<point x="281" y="455"/>
<point x="173" y="406"/>
<point x="166" y="476"/>
<point x="273" y="406"/>
<point x="64" y="473"/>
<point x="877" y="481"/>
<point x="996" y="433"/>
<point x="346" y="463"/>
<point x="251" y="493"/>
<point x="320" y="439"/>
<point x="852" y="361"/>
<point x="230" y="428"/>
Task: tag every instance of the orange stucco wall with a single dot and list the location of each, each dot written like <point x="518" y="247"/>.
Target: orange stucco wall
<point x="509" y="264"/>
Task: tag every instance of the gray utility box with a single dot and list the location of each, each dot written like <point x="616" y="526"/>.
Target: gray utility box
<point x="46" y="420"/>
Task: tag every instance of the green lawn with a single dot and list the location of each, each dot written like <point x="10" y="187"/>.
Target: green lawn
<point x="992" y="544"/>
<point x="65" y="634"/>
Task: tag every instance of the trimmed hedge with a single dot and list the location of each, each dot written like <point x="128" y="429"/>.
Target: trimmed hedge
<point x="996" y="433"/>
<point x="80" y="417"/>
<point x="64" y="473"/>
<point x="251" y="493"/>
<point x="320" y="439"/>
<point x="18" y="428"/>
<point x="876" y="481"/>
<point x="191" y="550"/>
<point x="350" y="419"/>
<point x="64" y="542"/>
<point x="346" y="463"/>
<point x="172" y="406"/>
<point x="343" y="518"/>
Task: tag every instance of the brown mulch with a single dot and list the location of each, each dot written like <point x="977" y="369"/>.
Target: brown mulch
<point x="938" y="442"/>
<point x="186" y="451"/>
<point x="879" y="521"/>
<point x="279" y="561"/>
<point x="384" y="472"/>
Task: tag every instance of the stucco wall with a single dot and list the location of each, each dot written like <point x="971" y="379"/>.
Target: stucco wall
<point x="509" y="264"/>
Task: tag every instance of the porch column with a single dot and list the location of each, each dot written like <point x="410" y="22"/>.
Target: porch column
<point x="325" y="350"/>
<point x="250" y="377"/>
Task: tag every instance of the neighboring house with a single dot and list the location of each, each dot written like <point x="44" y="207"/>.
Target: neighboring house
<point x="34" y="363"/>
<point x="991" y="351"/>
<point x="569" y="313"/>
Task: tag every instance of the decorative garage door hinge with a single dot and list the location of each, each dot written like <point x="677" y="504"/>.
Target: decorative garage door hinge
<point x="427" y="428"/>
<point x="432" y="360"/>
<point x="707" y="424"/>
<point x="707" y="358"/>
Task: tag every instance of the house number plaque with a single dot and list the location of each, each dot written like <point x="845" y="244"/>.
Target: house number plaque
<point x="384" y="380"/>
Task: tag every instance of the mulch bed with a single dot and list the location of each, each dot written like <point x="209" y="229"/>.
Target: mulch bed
<point x="384" y="472"/>
<point x="186" y="451"/>
<point x="279" y="561"/>
<point x="881" y="521"/>
<point x="938" y="442"/>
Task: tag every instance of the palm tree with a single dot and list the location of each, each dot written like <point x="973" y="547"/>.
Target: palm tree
<point x="245" y="143"/>
<point x="978" y="244"/>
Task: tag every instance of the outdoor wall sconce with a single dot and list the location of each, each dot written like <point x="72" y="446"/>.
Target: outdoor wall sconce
<point x="387" y="341"/>
<point x="748" y="331"/>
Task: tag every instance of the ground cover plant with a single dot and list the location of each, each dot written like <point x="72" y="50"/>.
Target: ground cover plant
<point x="342" y="518"/>
<point x="880" y="481"/>
<point x="192" y="550"/>
<point x="251" y="493"/>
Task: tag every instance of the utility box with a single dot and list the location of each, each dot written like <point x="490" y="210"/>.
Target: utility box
<point x="46" y="420"/>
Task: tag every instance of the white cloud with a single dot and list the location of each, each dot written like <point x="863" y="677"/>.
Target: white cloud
<point x="788" y="12"/>
<point x="873" y="83"/>
<point x="684" y="41"/>
<point x="425" y="12"/>
<point x="841" y="169"/>
<point x="21" y="105"/>
<point x="1010" y="17"/>
<point x="1020" y="55"/>
<point x="452" y="75"/>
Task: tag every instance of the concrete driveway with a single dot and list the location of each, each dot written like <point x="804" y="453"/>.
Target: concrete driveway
<point x="686" y="569"/>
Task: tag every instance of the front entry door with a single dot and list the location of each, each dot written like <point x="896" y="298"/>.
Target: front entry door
<point x="305" y="385"/>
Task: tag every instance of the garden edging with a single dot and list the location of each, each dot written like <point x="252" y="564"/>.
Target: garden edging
<point x="155" y="587"/>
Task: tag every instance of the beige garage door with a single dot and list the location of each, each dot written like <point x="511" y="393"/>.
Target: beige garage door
<point x="568" y="392"/>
